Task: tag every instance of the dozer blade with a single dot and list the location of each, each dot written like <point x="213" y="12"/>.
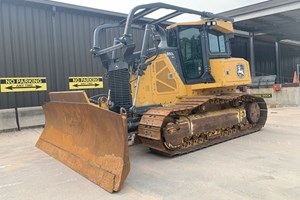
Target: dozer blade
<point x="90" y="140"/>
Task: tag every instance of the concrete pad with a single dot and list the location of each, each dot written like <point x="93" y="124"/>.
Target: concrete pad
<point x="7" y="119"/>
<point x="28" y="117"/>
<point x="287" y="96"/>
<point x="31" y="117"/>
<point x="263" y="165"/>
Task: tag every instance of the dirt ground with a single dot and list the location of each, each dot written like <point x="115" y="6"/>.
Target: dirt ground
<point x="263" y="165"/>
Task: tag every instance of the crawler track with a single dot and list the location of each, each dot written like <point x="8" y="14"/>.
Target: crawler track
<point x="154" y="121"/>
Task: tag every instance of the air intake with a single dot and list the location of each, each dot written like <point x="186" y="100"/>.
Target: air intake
<point x="119" y="85"/>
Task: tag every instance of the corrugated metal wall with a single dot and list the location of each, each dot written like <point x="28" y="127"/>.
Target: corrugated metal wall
<point x="36" y="40"/>
<point x="265" y="60"/>
<point x="289" y="58"/>
<point x="26" y="48"/>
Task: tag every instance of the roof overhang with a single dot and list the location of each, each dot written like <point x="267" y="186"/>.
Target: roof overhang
<point x="272" y="20"/>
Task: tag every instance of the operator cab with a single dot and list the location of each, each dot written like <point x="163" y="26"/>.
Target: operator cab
<point x="196" y="43"/>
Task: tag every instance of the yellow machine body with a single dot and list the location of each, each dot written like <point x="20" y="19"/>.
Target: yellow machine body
<point x="161" y="83"/>
<point x="222" y="26"/>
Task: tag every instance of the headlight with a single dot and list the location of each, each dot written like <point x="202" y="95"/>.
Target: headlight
<point x="211" y="23"/>
<point x="208" y="23"/>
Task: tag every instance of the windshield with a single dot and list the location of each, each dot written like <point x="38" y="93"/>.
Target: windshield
<point x="191" y="52"/>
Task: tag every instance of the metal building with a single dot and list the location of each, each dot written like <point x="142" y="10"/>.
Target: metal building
<point x="270" y="33"/>
<point x="48" y="39"/>
<point x="52" y="40"/>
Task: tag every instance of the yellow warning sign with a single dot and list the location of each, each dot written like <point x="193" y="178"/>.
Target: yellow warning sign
<point x="23" y="84"/>
<point x="85" y="82"/>
<point x="265" y="96"/>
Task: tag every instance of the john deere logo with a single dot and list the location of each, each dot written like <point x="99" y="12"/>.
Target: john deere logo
<point x="240" y="70"/>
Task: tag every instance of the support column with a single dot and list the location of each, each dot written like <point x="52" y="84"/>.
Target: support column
<point x="278" y="74"/>
<point x="252" y="56"/>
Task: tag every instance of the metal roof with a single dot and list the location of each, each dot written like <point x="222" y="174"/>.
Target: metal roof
<point x="80" y="8"/>
<point x="273" y="20"/>
<point x="276" y="20"/>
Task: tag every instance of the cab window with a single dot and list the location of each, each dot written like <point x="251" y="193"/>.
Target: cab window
<point x="216" y="42"/>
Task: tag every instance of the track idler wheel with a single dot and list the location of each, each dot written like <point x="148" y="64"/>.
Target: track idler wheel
<point x="253" y="112"/>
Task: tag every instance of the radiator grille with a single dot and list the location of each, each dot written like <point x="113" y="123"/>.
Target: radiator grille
<point x="119" y="85"/>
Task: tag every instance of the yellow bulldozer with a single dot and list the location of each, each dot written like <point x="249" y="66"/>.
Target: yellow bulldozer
<point x="176" y="95"/>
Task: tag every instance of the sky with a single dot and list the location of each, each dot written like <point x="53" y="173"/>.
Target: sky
<point x="124" y="6"/>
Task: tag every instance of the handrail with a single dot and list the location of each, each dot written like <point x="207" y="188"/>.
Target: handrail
<point x="155" y="6"/>
<point x="135" y="15"/>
